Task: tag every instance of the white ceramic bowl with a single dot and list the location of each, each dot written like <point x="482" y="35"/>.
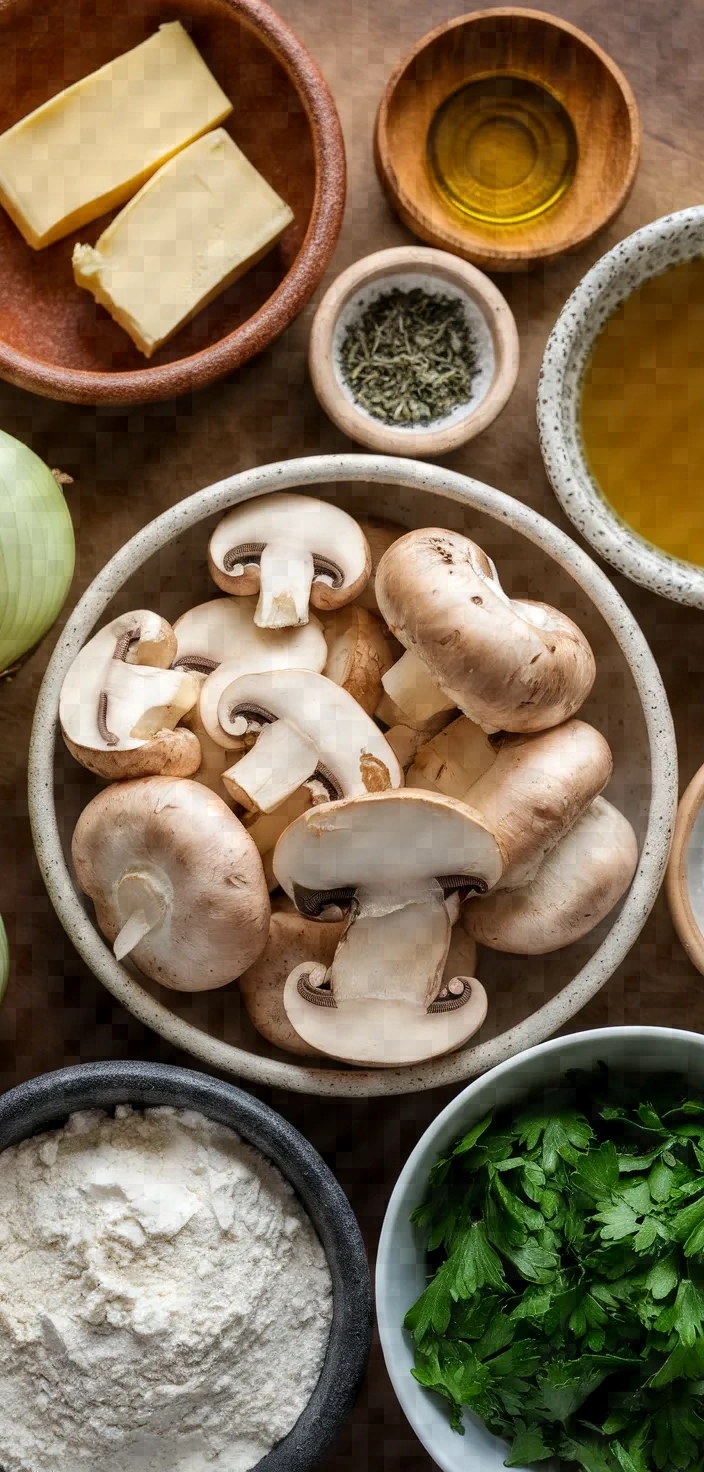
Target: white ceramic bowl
<point x="646" y="253"/>
<point x="401" y="1267"/>
<point x="164" y="567"/>
<point x="488" y="317"/>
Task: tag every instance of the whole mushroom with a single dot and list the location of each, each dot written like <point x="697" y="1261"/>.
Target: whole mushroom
<point x="176" y="881"/>
<point x="530" y="788"/>
<point x="576" y="886"/>
<point x="508" y="665"/>
<point x="120" y="702"/>
<point x="394" y="862"/>
<point x="292" y="550"/>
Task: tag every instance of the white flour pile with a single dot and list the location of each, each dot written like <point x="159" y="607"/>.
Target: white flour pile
<point x="165" y="1303"/>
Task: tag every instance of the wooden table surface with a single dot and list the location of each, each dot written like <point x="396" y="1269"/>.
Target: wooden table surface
<point x="128" y="467"/>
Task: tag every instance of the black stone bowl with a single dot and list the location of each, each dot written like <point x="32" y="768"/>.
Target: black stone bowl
<point x="45" y="1103"/>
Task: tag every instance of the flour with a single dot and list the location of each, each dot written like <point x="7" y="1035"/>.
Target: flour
<point x="165" y="1304"/>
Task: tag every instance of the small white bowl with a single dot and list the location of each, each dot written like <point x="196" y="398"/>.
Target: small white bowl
<point x="647" y="253"/>
<point x="489" y="319"/>
<point x="401" y="1273"/>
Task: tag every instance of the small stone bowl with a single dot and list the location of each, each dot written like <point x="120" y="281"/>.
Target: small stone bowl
<point x="684" y="882"/>
<point x="45" y="1103"/>
<point x="647" y="253"/>
<point x="488" y="317"/>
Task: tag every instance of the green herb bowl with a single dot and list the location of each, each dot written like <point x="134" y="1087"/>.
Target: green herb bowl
<point x="401" y="1272"/>
<point x="488" y="317"/>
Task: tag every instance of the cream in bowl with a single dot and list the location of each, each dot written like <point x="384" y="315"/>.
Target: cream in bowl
<point x="413" y="351"/>
<point x="620" y="406"/>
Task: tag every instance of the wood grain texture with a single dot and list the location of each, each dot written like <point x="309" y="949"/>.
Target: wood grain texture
<point x="528" y="44"/>
<point x="130" y="465"/>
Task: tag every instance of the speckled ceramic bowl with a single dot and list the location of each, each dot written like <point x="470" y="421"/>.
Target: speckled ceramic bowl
<point x="646" y="253"/>
<point x="45" y="1103"/>
<point x="529" y="997"/>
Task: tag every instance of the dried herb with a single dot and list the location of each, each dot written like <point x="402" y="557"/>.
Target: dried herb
<point x="567" y="1302"/>
<point x="410" y="357"/>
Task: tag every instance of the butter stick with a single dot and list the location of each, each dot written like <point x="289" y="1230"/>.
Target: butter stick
<point x="89" y="148"/>
<point x="197" y="225"/>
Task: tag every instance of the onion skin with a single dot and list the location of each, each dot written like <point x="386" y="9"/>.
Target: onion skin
<point x="36" y="550"/>
<point x="4" y="960"/>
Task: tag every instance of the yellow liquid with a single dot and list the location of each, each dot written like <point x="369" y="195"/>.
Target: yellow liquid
<point x="643" y="411"/>
<point x="501" y="150"/>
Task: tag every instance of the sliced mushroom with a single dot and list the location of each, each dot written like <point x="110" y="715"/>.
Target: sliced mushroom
<point x="576" y="886"/>
<point x="360" y="651"/>
<point x="305" y="727"/>
<point x="176" y="881"/>
<point x="120" y="702"/>
<point x="412" y="697"/>
<point x="266" y="828"/>
<point x="292" y="939"/>
<point x="452" y="761"/>
<point x="263" y="649"/>
<point x="380" y="535"/>
<point x="395" y="861"/>
<point x="530" y="788"/>
<point x="214" y="759"/>
<point x="509" y="666"/>
<point x="290" y="549"/>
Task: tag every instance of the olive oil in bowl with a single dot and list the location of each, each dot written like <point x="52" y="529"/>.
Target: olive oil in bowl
<point x="501" y="150"/>
<point x="642" y="411"/>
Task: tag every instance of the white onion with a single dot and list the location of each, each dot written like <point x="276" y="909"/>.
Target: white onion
<point x="4" y="960"/>
<point x="36" y="549"/>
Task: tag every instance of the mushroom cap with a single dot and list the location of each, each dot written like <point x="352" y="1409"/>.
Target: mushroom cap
<point x="576" y="886"/>
<point x="224" y="629"/>
<point x="537" y="788"/>
<point x="383" y="1033"/>
<point x="390" y="840"/>
<point x="301" y="647"/>
<point x="518" y="666"/>
<point x="349" y="744"/>
<point x="168" y="754"/>
<point x="301" y="524"/>
<point x="292" y="939"/>
<point x="177" y="841"/>
<point x="360" y="651"/>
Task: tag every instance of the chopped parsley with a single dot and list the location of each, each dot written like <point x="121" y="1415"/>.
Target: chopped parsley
<point x="565" y="1305"/>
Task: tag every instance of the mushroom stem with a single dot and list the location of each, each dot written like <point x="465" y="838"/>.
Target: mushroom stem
<point x="144" y="900"/>
<point x="400" y="952"/>
<point x="273" y="769"/>
<point x="133" y="931"/>
<point x="286" y="575"/>
<point x="411" y="695"/>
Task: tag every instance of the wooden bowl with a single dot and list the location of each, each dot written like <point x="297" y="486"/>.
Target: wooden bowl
<point x="54" y="339"/>
<point x="493" y="328"/>
<point x="538" y="48"/>
<point x="684" y="883"/>
<point x="165" y="567"/>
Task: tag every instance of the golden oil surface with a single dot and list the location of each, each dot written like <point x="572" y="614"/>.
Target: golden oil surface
<point x="501" y="150"/>
<point x="643" y="411"/>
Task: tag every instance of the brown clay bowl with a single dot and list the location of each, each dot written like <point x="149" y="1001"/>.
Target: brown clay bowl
<point x="684" y="881"/>
<point x="538" y="48"/>
<point x="54" y="339"/>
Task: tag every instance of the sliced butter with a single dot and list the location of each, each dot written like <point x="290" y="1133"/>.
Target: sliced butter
<point x="90" y="147"/>
<point x="196" y="226"/>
